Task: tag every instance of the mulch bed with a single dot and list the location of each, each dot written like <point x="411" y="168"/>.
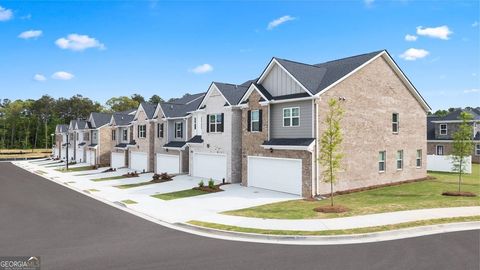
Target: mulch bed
<point x="459" y="193"/>
<point x="331" y="209"/>
<point x="216" y="188"/>
<point x="131" y="175"/>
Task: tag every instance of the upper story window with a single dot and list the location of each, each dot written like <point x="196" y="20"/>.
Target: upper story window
<point x="443" y="129"/>
<point x="477" y="149"/>
<point x="381" y="161"/>
<point x="395" y="123"/>
<point x="114" y="135"/>
<point x="255" y="120"/>
<point x="195" y="123"/>
<point x="419" y="158"/>
<point x="94" y="135"/>
<point x="125" y="134"/>
<point x="142" y="131"/>
<point x="291" y="117"/>
<point x="178" y="129"/>
<point x="439" y="150"/>
<point x="399" y="159"/>
<point x="160" y="130"/>
<point x="215" y="122"/>
<point x="78" y="136"/>
<point x="86" y="136"/>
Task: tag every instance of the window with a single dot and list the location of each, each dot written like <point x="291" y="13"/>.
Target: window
<point x="86" y="136"/>
<point x="215" y="123"/>
<point x="399" y="159"/>
<point x="142" y="131"/>
<point x="395" y="123"/>
<point x="195" y="123"/>
<point x="419" y="158"/>
<point x="114" y="135"/>
<point x="125" y="134"/>
<point x="94" y="135"/>
<point x="477" y="149"/>
<point x="440" y="150"/>
<point x="78" y="136"/>
<point x="160" y="130"/>
<point x="291" y="117"/>
<point x="178" y="130"/>
<point x="381" y="161"/>
<point x="255" y="120"/>
<point x="443" y="129"/>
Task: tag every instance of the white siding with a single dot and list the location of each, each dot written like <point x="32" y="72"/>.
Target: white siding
<point x="279" y="83"/>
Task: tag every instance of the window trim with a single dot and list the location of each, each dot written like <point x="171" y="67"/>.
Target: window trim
<point x="257" y="121"/>
<point x="142" y="128"/>
<point x="399" y="159"/>
<point x="291" y="117"/>
<point x="195" y="123"/>
<point x="178" y="124"/>
<point x="114" y="135"/>
<point x="477" y="149"/>
<point x="436" y="149"/>
<point x="384" y="161"/>
<point x="419" y="158"/>
<point x="125" y="132"/>
<point x="397" y="123"/>
<point x="216" y="124"/>
<point x="446" y="129"/>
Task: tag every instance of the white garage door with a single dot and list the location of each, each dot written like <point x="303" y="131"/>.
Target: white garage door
<point x="56" y="153"/>
<point x="277" y="174"/>
<point x="210" y="165"/>
<point x="90" y="157"/>
<point x="80" y="157"/>
<point x="117" y="160"/>
<point x="168" y="164"/>
<point x="139" y="161"/>
<point x="71" y="155"/>
<point x="63" y="153"/>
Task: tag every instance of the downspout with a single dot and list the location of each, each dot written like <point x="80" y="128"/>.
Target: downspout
<point x="316" y="134"/>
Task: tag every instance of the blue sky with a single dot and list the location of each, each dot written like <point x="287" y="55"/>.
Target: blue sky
<point x="102" y="49"/>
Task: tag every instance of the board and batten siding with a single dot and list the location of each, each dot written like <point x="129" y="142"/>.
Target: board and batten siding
<point x="276" y="120"/>
<point x="279" y="83"/>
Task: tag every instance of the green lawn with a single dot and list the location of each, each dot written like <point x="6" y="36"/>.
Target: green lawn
<point x="76" y="169"/>
<point x="91" y="190"/>
<point x="179" y="194"/>
<point x="424" y="194"/>
<point x="337" y="232"/>
<point x="109" y="178"/>
<point x="134" y="185"/>
<point x="129" y="201"/>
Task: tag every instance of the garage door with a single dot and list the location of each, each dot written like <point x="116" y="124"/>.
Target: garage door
<point x="139" y="161"/>
<point x="168" y="164"/>
<point x="56" y="153"/>
<point x="210" y="165"/>
<point x="79" y="157"/>
<point x="277" y="174"/>
<point x="90" y="157"/>
<point x="63" y="153"/>
<point x="71" y="155"/>
<point x="118" y="160"/>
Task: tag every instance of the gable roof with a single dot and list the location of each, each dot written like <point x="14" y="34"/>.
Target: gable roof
<point x="100" y="119"/>
<point x="232" y="92"/>
<point x="81" y="124"/>
<point x="122" y="119"/>
<point x="149" y="108"/>
<point x="431" y="126"/>
<point x="186" y="98"/>
<point x="455" y="115"/>
<point x="61" y="128"/>
<point x="172" y="110"/>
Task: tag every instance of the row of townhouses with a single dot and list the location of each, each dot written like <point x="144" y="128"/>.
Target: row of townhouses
<point x="265" y="132"/>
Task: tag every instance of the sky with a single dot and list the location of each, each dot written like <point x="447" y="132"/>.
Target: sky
<point x="101" y="49"/>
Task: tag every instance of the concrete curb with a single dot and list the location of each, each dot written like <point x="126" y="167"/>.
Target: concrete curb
<point x="279" y="239"/>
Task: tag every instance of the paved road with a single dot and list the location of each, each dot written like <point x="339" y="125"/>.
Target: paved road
<point x="71" y="231"/>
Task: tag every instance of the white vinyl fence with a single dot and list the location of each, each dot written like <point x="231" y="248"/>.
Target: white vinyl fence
<point x="444" y="163"/>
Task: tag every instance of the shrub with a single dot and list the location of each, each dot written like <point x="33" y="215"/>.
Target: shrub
<point x="165" y="176"/>
<point x="211" y="183"/>
<point x="201" y="184"/>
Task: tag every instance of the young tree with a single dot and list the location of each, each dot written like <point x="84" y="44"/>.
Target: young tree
<point x="330" y="144"/>
<point x="462" y="145"/>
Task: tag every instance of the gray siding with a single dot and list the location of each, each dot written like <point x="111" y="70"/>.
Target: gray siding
<point x="277" y="130"/>
<point x="171" y="130"/>
<point x="94" y="138"/>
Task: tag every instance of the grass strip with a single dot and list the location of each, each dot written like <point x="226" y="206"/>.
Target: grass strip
<point x="179" y="194"/>
<point x="336" y="232"/>
<point x="128" y="201"/>
<point x="134" y="185"/>
<point x="76" y="169"/>
<point x="109" y="178"/>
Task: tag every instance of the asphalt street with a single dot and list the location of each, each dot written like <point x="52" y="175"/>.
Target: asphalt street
<point x="71" y="231"/>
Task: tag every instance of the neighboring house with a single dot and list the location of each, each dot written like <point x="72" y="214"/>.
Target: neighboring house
<point x="98" y="152"/>
<point x="441" y="129"/>
<point x="383" y="129"/>
<point x="81" y="138"/>
<point x="60" y="139"/>
<point x="72" y="139"/>
<point x="172" y="121"/>
<point x="121" y="138"/>
<point x="141" y="153"/>
<point x="216" y="143"/>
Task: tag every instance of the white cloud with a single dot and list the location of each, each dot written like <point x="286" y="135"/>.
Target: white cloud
<point x="279" y="21"/>
<point x="30" y="34"/>
<point x="441" y="32"/>
<point x="475" y="24"/>
<point x="410" y="37"/>
<point x="62" y="75"/>
<point x="5" y="14"/>
<point x="76" y="42"/>
<point x="414" y="54"/>
<point x="39" y="78"/>
<point x="368" y="2"/>
<point x="202" y="69"/>
<point x="473" y="90"/>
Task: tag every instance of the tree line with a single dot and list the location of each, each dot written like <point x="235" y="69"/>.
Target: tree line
<point x="29" y="123"/>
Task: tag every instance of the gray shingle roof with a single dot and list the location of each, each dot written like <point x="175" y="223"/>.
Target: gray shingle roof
<point x="187" y="98"/>
<point x="317" y="77"/>
<point x="175" y="144"/>
<point x="149" y="109"/>
<point x="174" y="109"/>
<point x="101" y="119"/>
<point x="455" y="115"/>
<point x="122" y="119"/>
<point x="62" y="128"/>
<point x="290" y="142"/>
<point x="196" y="139"/>
<point x="431" y="126"/>
<point x="232" y="92"/>
<point x="81" y="124"/>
